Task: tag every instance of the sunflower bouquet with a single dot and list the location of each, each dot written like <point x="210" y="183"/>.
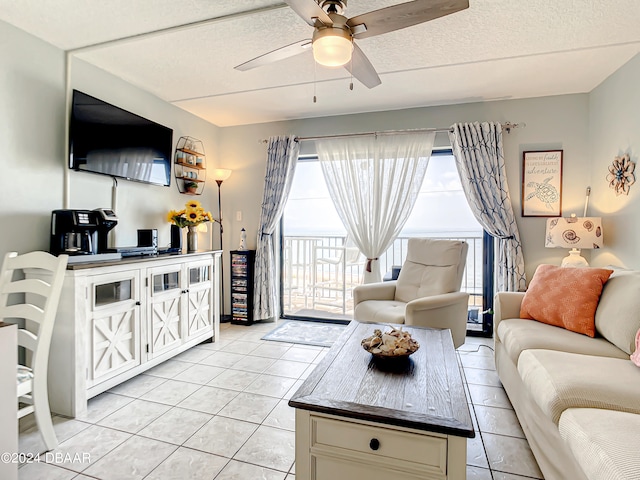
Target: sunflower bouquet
<point x="192" y="215"/>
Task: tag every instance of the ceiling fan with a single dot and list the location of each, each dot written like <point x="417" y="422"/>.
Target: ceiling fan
<point x="333" y="35"/>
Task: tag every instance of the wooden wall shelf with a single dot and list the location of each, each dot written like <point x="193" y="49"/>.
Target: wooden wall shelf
<point x="190" y="165"/>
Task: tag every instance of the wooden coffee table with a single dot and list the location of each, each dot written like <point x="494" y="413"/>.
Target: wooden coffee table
<point x="358" y="418"/>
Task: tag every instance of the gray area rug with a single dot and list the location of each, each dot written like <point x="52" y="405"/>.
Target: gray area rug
<point x="306" y="333"/>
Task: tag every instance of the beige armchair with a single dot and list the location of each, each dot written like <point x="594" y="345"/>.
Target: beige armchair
<point x="427" y="292"/>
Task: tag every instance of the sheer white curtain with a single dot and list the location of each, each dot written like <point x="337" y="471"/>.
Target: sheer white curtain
<point x="374" y="182"/>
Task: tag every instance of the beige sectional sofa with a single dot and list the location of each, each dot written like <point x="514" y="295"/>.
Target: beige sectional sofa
<point x="577" y="398"/>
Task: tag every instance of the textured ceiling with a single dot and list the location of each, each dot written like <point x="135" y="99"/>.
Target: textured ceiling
<point x="496" y="49"/>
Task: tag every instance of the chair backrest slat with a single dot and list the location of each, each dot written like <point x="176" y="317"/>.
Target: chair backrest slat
<point x="30" y="285"/>
<point x="42" y="260"/>
<point x="27" y="339"/>
<point x="23" y="310"/>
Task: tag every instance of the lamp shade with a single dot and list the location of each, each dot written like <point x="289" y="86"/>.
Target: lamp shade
<point x="574" y="232"/>
<point x="221" y="174"/>
<point x="332" y="47"/>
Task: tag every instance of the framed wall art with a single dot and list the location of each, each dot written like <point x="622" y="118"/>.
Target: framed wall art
<point x="542" y="183"/>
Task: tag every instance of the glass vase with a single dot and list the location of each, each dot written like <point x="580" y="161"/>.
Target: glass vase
<point x="192" y="238"/>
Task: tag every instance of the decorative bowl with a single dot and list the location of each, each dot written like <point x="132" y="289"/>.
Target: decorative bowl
<point x="395" y="345"/>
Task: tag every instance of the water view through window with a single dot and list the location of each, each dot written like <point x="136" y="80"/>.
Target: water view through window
<point x="321" y="265"/>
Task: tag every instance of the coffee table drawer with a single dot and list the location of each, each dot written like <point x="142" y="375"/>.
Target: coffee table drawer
<point x="332" y="468"/>
<point x="424" y="449"/>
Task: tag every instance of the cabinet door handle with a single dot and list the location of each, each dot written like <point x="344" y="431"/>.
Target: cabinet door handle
<point x="374" y="444"/>
<point x="138" y="304"/>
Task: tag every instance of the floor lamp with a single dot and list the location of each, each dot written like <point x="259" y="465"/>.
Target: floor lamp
<point x="220" y="175"/>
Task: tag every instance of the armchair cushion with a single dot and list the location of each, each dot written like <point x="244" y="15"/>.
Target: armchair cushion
<point x="432" y="267"/>
<point x="380" y="311"/>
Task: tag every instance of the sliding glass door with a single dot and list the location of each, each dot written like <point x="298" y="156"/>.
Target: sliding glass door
<point x="320" y="265"/>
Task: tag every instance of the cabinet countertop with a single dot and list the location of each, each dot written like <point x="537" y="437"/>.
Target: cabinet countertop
<point x="139" y="258"/>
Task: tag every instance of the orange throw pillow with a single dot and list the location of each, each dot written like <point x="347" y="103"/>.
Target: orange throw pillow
<point x="566" y="297"/>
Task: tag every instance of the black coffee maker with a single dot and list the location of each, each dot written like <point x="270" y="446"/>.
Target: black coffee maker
<point x="81" y="232"/>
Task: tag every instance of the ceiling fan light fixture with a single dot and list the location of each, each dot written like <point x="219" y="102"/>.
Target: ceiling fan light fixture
<point x="332" y="47"/>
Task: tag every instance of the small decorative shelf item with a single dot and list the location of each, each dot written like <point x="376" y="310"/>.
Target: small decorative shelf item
<point x="621" y="175"/>
<point x="243" y="240"/>
<point x="190" y="166"/>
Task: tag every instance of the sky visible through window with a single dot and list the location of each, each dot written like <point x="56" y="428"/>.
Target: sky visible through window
<point x="441" y="207"/>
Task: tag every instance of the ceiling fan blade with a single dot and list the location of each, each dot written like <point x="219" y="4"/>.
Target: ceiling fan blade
<point x="402" y="15"/>
<point x="276" y="55"/>
<point x="361" y="68"/>
<point x="309" y="10"/>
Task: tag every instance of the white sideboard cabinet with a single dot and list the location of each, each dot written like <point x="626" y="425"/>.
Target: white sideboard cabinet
<point x="118" y="319"/>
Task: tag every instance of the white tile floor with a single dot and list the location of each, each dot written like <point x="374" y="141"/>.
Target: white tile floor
<point x="219" y="411"/>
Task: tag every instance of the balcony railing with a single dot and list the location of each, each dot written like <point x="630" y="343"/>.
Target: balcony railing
<point x="319" y="273"/>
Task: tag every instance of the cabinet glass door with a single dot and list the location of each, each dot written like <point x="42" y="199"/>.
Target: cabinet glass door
<point x="199" y="295"/>
<point x="199" y="274"/>
<point x="114" y="325"/>
<point x="164" y="324"/>
<point x="112" y="292"/>
<point x="165" y="281"/>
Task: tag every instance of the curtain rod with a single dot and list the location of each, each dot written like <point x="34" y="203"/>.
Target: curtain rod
<point x="508" y="126"/>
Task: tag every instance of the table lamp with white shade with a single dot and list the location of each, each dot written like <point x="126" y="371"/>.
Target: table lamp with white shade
<point x="574" y="233"/>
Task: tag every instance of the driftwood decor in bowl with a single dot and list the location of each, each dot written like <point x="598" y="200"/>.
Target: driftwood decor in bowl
<point x="395" y="344"/>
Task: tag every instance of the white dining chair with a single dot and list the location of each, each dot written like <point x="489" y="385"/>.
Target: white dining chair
<point x="30" y="287"/>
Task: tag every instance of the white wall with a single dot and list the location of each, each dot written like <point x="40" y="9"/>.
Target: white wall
<point x="140" y="205"/>
<point x="551" y="123"/>
<point x="32" y="121"/>
<point x="31" y="135"/>
<point x="614" y="113"/>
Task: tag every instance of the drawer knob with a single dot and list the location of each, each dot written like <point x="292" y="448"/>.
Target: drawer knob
<point x="374" y="444"/>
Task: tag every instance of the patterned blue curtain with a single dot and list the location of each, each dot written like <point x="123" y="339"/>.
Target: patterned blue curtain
<point x="480" y="162"/>
<point x="282" y="155"/>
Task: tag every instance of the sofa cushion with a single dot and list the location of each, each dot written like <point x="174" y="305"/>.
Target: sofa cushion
<point x="559" y="380"/>
<point x="565" y="297"/>
<point x="380" y="311"/>
<point x="618" y="313"/>
<point x="604" y="442"/>
<point x="518" y="335"/>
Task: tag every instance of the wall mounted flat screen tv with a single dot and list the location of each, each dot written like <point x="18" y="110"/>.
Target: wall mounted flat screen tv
<point x="108" y="140"/>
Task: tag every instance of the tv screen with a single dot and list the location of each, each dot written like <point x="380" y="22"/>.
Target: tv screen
<point x="108" y="140"/>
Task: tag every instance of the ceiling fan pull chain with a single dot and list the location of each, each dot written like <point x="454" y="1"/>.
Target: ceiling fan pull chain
<point x="351" y="72"/>
<point x="314" y="82"/>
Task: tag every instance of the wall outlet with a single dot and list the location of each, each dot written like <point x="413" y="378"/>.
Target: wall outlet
<point x="239" y="216"/>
